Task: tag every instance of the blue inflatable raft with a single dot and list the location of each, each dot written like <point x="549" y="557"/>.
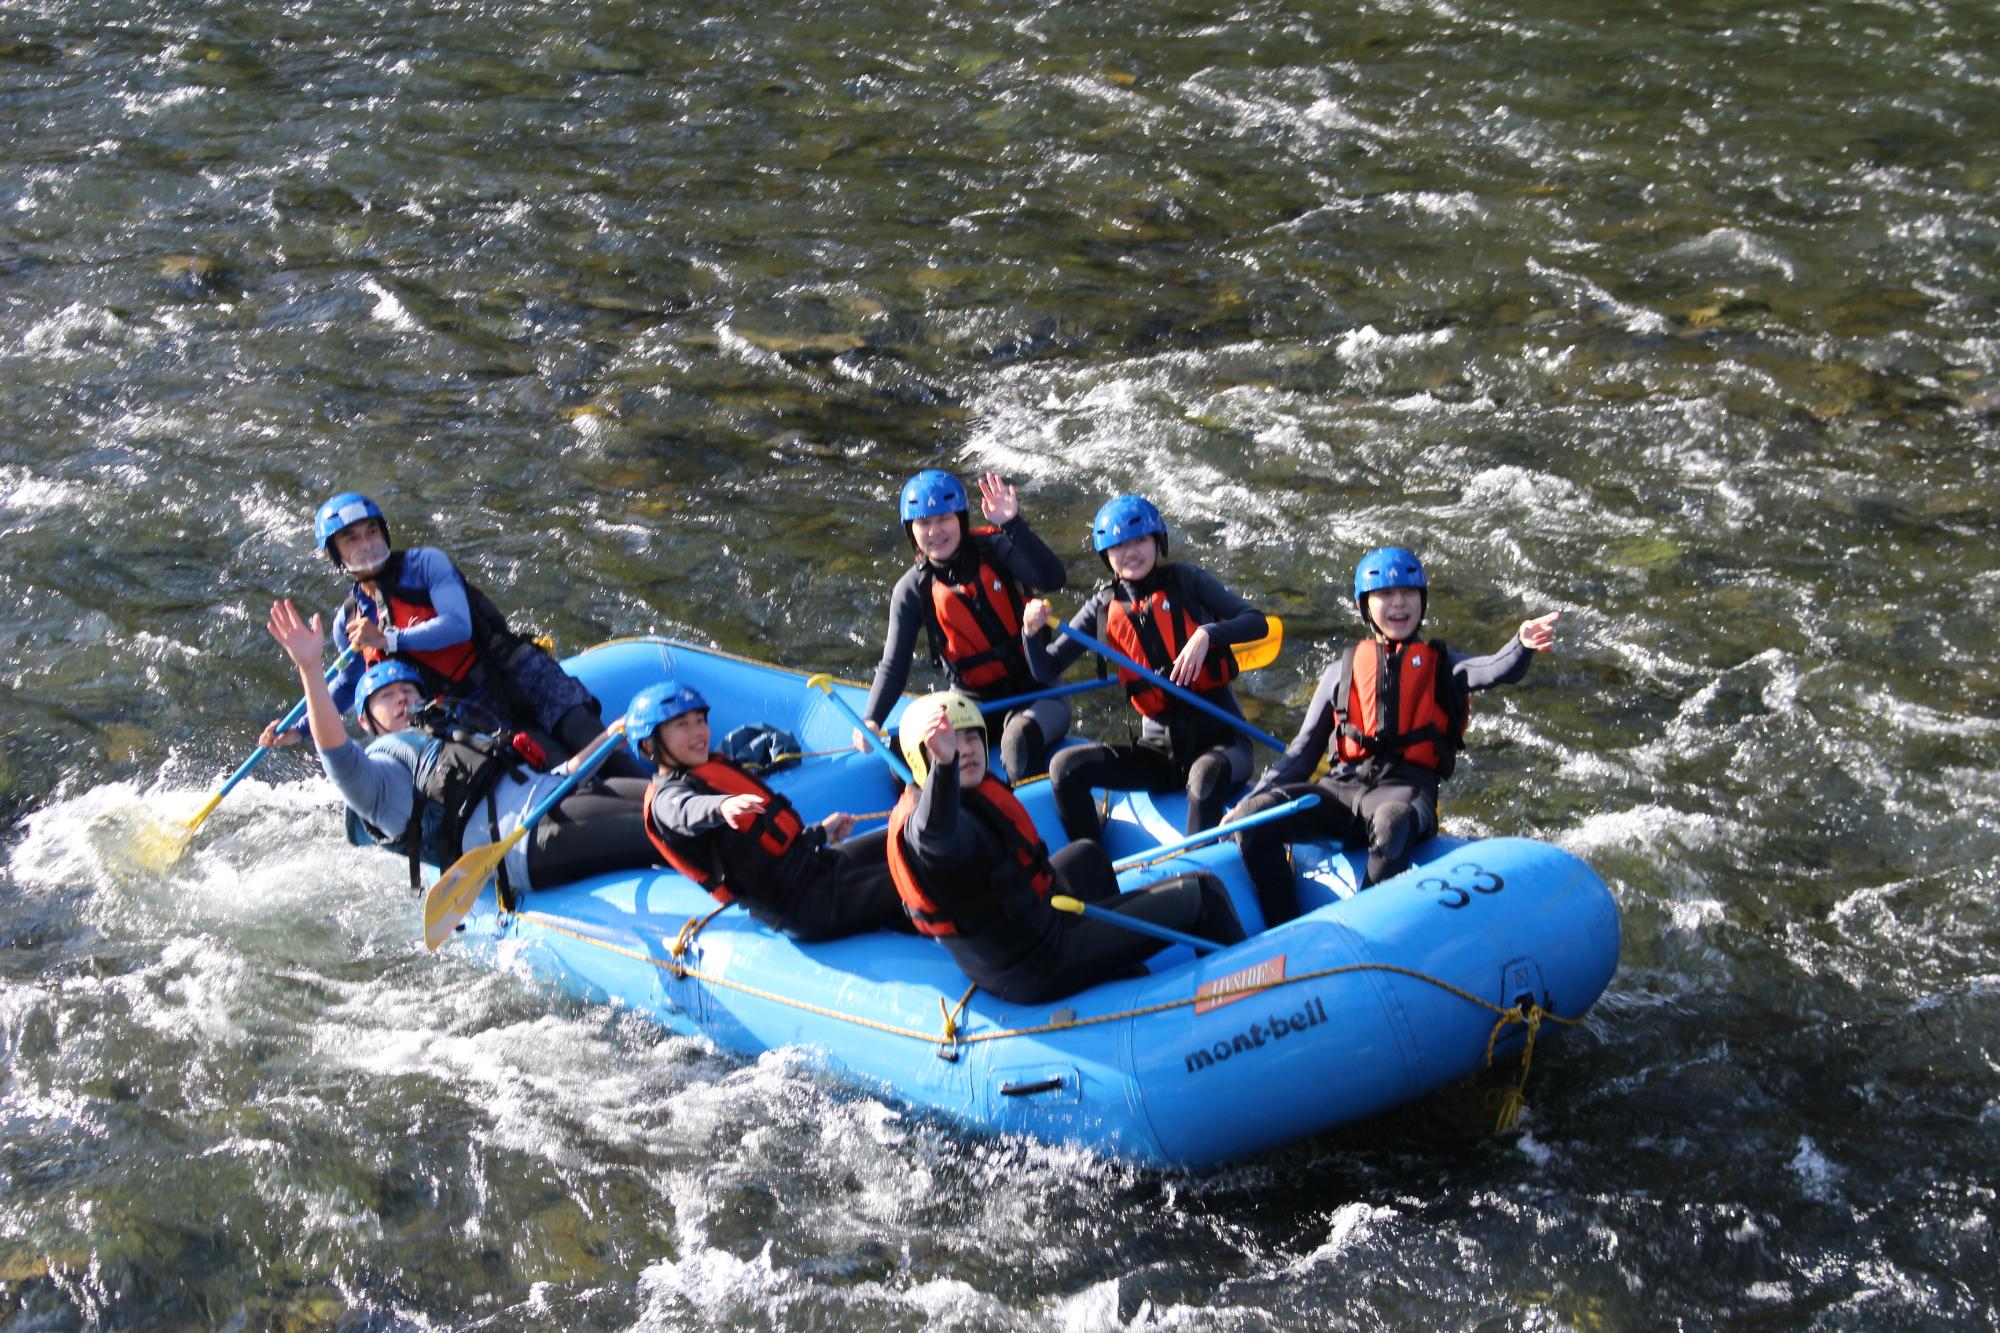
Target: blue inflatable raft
<point x="1366" y="1001"/>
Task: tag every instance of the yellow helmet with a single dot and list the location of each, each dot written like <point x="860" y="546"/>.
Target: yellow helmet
<point x="959" y="710"/>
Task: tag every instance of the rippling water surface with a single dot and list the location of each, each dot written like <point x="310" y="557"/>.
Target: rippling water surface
<point x="1684" y="320"/>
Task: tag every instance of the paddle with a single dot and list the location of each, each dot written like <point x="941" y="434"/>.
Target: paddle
<point x="458" y="888"/>
<point x="157" y="846"/>
<point x="1065" y="903"/>
<point x="825" y="682"/>
<point x="1189" y="697"/>
<point x="1216" y="834"/>
<point x="1249" y="656"/>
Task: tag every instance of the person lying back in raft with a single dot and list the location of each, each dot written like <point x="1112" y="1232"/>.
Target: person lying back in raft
<point x="966" y="591"/>
<point x="415" y="607"/>
<point x="975" y="874"/>
<point x="1394" y="709"/>
<point x="430" y="790"/>
<point x="743" y="842"/>
<point x="1179" y="620"/>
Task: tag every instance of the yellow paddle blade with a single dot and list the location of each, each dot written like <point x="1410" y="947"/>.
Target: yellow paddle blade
<point x="1062" y="902"/>
<point x="156" y="845"/>
<point x="1262" y="652"/>
<point x="458" y="888"/>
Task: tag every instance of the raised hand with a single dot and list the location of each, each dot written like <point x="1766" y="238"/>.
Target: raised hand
<point x="301" y="639"/>
<point x="997" y="499"/>
<point x="1540" y="633"/>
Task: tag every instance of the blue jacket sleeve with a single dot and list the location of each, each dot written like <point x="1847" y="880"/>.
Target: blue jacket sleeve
<point x="430" y="569"/>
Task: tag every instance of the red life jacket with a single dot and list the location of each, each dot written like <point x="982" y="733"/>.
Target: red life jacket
<point x="1429" y="710"/>
<point x="449" y="666"/>
<point x="1153" y="631"/>
<point x="993" y="802"/>
<point x="452" y="662"/>
<point x="772" y="834"/>
<point x="979" y="622"/>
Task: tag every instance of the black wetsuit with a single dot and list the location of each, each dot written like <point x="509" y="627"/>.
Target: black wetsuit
<point x="1009" y="940"/>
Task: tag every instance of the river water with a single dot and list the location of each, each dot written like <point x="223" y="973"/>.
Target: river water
<point x="1684" y="320"/>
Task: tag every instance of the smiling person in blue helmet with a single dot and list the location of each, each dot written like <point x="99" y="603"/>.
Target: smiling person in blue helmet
<point x="1179" y="620"/>
<point x="429" y="788"/>
<point x="414" y="606"/>
<point x="732" y="835"/>
<point x="965" y="593"/>
<point x="1393" y="708"/>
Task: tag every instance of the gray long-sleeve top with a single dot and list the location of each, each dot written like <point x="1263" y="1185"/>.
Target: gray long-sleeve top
<point x="1302" y="756"/>
<point x="378" y="784"/>
<point x="1018" y="552"/>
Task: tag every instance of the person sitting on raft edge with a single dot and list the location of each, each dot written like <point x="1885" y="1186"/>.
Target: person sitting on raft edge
<point x="414" y="606"/>
<point x="966" y="591"/>
<point x="1179" y="620"/>
<point x="1394" y="709"/>
<point x="431" y="790"/>
<point x="735" y="837"/>
<point x="976" y="876"/>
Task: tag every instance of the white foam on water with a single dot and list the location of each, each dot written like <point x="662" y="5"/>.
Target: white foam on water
<point x="151" y="104"/>
<point x="1641" y="826"/>
<point x="21" y="492"/>
<point x="78" y="329"/>
<point x="1353" y="1227"/>
<point x="389" y="308"/>
<point x="1816" y="1175"/>
<point x="1584" y="292"/>
<point x="1736" y="244"/>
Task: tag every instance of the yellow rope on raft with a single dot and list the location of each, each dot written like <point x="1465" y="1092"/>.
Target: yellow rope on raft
<point x="1530" y="1016"/>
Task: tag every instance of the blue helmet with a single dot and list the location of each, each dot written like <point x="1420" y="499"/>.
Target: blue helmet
<point x="1388" y="567"/>
<point x="655" y="704"/>
<point x="932" y="492"/>
<point x="1124" y="517"/>
<point x="341" y="512"/>
<point x="378" y="678"/>
<point x="1385" y="568"/>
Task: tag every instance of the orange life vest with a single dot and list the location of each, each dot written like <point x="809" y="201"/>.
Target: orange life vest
<point x="1429" y="710"/>
<point x="979" y="621"/>
<point x="993" y="802"/>
<point x="772" y="834"/>
<point x="1153" y="631"/>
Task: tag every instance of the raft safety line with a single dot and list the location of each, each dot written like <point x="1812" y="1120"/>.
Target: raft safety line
<point x="1529" y="1016"/>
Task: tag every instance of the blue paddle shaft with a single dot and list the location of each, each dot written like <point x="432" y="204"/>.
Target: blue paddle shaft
<point x="289" y="721"/>
<point x="1189" y="697"/>
<point x="590" y="765"/>
<point x="1217" y="833"/>
<point x="1053" y="692"/>
<point x="896" y="765"/>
